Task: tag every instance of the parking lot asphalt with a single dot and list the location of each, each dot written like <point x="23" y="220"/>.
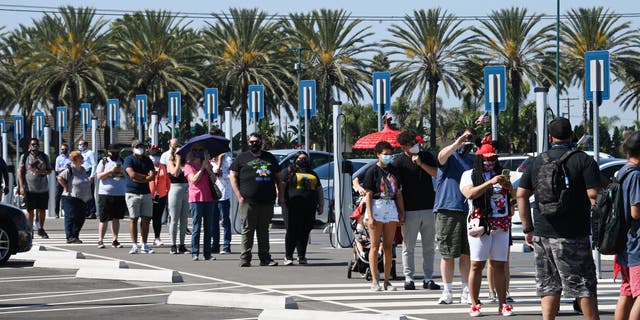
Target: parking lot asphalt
<point x="44" y="293"/>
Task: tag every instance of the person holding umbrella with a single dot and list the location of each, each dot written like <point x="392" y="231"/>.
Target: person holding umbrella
<point x="254" y="180"/>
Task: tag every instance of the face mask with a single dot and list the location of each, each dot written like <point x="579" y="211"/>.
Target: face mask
<point x="113" y="157"/>
<point x="138" y="151"/>
<point x="464" y="150"/>
<point x="255" y="148"/>
<point x="488" y="165"/>
<point x="81" y="148"/>
<point x="415" y="149"/>
<point x="63" y="152"/>
<point x="198" y="154"/>
<point x="302" y="163"/>
<point x="386" y="158"/>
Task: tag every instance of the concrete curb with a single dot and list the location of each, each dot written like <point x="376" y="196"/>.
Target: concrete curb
<point x="130" y="274"/>
<point x="231" y="300"/>
<point x="46" y="254"/>
<point x="79" y="263"/>
<point x="323" y="315"/>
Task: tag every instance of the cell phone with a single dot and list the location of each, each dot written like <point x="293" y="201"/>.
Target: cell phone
<point x="506" y="173"/>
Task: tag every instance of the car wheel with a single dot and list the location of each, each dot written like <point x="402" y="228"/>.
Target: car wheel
<point x="7" y="238"/>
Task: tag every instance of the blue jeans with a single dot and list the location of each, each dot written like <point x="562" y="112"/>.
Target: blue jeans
<point x="202" y="214"/>
<point x="75" y="212"/>
<point x="221" y="210"/>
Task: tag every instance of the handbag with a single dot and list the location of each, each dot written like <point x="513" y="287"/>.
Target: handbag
<point x="215" y="191"/>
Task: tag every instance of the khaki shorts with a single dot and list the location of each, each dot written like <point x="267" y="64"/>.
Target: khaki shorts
<point x="139" y="205"/>
<point x="451" y="233"/>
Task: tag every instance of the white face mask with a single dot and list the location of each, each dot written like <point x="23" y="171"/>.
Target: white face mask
<point x="415" y="149"/>
<point x="138" y="151"/>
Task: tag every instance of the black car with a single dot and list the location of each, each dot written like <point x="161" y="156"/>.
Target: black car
<point x="15" y="232"/>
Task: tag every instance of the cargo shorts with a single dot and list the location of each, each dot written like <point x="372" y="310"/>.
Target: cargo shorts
<point x="451" y="233"/>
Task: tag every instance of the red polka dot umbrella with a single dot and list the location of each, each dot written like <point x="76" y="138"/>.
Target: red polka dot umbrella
<point x="387" y="134"/>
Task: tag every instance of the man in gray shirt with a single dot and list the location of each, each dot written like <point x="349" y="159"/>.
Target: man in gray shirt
<point x="34" y="184"/>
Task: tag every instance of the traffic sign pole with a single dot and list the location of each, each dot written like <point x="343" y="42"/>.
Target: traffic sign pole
<point x="494" y="109"/>
<point x="307" y="109"/>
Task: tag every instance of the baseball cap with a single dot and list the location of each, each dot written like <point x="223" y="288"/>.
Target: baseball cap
<point x="560" y="128"/>
<point x="154" y="150"/>
<point x="486" y="150"/>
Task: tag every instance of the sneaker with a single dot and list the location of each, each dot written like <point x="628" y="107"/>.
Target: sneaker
<point x="100" y="245"/>
<point x="376" y="287"/>
<point x="389" y="287"/>
<point x="146" y="249"/>
<point x="183" y="250"/>
<point x="212" y="258"/>
<point x="509" y="298"/>
<point x="245" y="264"/>
<point x="77" y="241"/>
<point x="409" y="285"/>
<point x="194" y="258"/>
<point x="446" y="297"/>
<point x="71" y="240"/>
<point x="225" y="251"/>
<point x="475" y="310"/>
<point x="188" y="232"/>
<point x="302" y="260"/>
<point x="173" y="250"/>
<point x="116" y="244"/>
<point x="493" y="297"/>
<point x="158" y="243"/>
<point x="287" y="261"/>
<point x="43" y="234"/>
<point x="268" y="263"/>
<point x="134" y="249"/>
<point x="431" y="285"/>
<point x="506" y="310"/>
<point x="464" y="296"/>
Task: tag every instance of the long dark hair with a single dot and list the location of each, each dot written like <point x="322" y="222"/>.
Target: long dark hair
<point x="293" y="168"/>
<point x="483" y="203"/>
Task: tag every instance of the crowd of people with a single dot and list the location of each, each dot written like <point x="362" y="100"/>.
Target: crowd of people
<point x="460" y="201"/>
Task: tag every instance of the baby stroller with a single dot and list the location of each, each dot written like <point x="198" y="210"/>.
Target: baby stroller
<point x="361" y="247"/>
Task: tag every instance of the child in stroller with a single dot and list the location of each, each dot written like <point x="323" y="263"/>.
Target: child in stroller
<point x="361" y="246"/>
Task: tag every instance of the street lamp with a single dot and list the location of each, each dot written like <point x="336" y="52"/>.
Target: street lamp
<point x="298" y="68"/>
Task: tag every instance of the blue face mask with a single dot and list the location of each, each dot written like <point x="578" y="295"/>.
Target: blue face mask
<point x="386" y="158"/>
<point x="80" y="148"/>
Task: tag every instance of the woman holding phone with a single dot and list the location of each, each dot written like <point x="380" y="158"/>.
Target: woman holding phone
<point x="488" y="194"/>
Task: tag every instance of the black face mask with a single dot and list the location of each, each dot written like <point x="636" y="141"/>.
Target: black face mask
<point x="302" y="163"/>
<point x="255" y="148"/>
<point x="464" y="150"/>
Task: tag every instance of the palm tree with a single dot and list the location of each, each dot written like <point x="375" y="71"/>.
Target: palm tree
<point x="69" y="54"/>
<point x="432" y="47"/>
<point x="336" y="44"/>
<point x="629" y="96"/>
<point x="240" y="48"/>
<point x="588" y="29"/>
<point x="158" y="53"/>
<point x="511" y="37"/>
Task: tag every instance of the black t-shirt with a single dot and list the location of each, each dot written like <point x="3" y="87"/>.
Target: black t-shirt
<point x="417" y="186"/>
<point x="257" y="176"/>
<point x="583" y="174"/>
<point x="302" y="188"/>
<point x="383" y="182"/>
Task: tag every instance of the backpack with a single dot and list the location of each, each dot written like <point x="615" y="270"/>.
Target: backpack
<point x="553" y="190"/>
<point x="608" y="223"/>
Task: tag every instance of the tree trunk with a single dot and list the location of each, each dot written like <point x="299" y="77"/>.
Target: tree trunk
<point x="433" y="92"/>
<point x="327" y="125"/>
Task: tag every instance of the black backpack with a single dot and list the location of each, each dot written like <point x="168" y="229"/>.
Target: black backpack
<point x="608" y="224"/>
<point x="553" y="189"/>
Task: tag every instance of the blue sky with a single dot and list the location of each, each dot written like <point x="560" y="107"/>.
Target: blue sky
<point x="470" y="8"/>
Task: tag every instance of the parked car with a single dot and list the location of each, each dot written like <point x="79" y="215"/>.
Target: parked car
<point x="608" y="167"/>
<point x="513" y="162"/>
<point x="16" y="234"/>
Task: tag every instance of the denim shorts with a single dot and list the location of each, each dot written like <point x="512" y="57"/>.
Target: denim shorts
<point x="564" y="266"/>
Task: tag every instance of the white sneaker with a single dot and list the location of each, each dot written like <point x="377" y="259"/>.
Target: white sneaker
<point x="464" y="296"/>
<point x="288" y="262"/>
<point x="446" y="297"/>
<point x="493" y="297"/>
<point x="146" y="249"/>
<point x="134" y="249"/>
<point x="158" y="243"/>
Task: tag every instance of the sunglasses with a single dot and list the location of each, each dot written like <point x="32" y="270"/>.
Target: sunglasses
<point x="254" y="141"/>
<point x="34" y="144"/>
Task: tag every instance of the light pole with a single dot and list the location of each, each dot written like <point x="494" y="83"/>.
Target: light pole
<point x="558" y="57"/>
<point x="298" y="68"/>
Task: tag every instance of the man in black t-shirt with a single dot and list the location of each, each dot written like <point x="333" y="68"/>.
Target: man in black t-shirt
<point x="415" y="169"/>
<point x="564" y="264"/>
<point x="254" y="180"/>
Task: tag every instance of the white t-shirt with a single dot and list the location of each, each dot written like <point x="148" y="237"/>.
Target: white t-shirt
<point x="223" y="182"/>
<point x="164" y="158"/>
<point x="499" y="203"/>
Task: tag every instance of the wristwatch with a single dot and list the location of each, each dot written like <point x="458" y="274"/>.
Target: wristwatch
<point x="528" y="230"/>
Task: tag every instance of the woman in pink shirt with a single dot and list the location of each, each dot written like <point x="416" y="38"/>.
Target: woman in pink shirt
<point x="199" y="175"/>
